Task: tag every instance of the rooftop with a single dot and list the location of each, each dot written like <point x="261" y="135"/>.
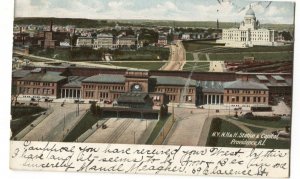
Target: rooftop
<point x="105" y="78"/>
<point x="171" y="80"/>
<point x="278" y="78"/>
<point x="48" y="76"/>
<point x="20" y="73"/>
<point x="132" y="98"/>
<point x="241" y="84"/>
<point x="262" y="77"/>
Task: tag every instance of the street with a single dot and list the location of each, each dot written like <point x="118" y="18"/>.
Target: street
<point x="177" y="57"/>
<point x="55" y="126"/>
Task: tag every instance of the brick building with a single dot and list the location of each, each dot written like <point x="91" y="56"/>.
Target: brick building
<point x="95" y="84"/>
<point x="40" y="83"/>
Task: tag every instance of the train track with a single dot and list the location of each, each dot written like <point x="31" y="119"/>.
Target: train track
<point x="119" y="131"/>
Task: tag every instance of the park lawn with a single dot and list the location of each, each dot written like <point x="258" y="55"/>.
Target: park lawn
<point x="219" y="125"/>
<point x="83" y="125"/>
<point x="189" y="56"/>
<point x="198" y="45"/>
<point x="196" y="66"/>
<point x="256" y="130"/>
<point x="140" y="57"/>
<point x="276" y="56"/>
<point x="159" y="125"/>
<point x="202" y="57"/>
<point x="141" y="65"/>
<point x="22" y="116"/>
<point x="263" y="123"/>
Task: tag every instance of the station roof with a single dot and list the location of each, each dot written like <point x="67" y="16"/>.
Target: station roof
<point x="20" y="73"/>
<point x="241" y="84"/>
<point x="48" y="76"/>
<point x="176" y="81"/>
<point x="105" y="78"/>
<point x="132" y="98"/>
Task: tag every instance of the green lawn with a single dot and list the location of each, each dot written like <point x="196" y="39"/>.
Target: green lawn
<point x="256" y="130"/>
<point x="273" y="124"/>
<point x="189" y="56"/>
<point x="157" y="129"/>
<point x="219" y="125"/>
<point x="276" y="56"/>
<point x="22" y="116"/>
<point x="141" y="65"/>
<point x="196" y="66"/>
<point x="198" y="45"/>
<point x="84" y="124"/>
<point x="202" y="57"/>
<point x="21" y="111"/>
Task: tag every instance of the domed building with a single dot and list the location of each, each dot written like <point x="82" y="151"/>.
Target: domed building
<point x="248" y="34"/>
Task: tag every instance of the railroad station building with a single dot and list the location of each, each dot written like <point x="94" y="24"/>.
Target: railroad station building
<point x="245" y="89"/>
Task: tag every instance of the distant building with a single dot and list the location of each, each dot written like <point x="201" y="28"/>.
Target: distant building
<point x="176" y="36"/>
<point x="65" y="43"/>
<point x="85" y="42"/>
<point x="104" y="41"/>
<point x="162" y="41"/>
<point x="126" y="41"/>
<point x="186" y="36"/>
<point x="52" y="39"/>
<point x="248" y="34"/>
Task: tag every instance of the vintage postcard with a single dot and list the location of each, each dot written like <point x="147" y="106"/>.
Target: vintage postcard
<point x="153" y="87"/>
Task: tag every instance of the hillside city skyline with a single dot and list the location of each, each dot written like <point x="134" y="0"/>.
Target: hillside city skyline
<point x="227" y="11"/>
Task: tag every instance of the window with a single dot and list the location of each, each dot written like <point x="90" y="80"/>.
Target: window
<point x="254" y="99"/>
<point x="248" y="99"/>
<point x="264" y="99"/>
<point x="259" y="99"/>
<point x="244" y="98"/>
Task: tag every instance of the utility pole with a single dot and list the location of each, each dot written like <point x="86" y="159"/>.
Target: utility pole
<point x="173" y="112"/>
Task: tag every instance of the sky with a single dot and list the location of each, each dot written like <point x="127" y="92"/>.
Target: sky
<point x="181" y="10"/>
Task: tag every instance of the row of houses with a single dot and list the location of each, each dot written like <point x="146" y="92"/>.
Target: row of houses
<point x="108" y="41"/>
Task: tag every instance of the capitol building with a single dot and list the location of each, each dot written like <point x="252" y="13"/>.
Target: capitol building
<point x="249" y="34"/>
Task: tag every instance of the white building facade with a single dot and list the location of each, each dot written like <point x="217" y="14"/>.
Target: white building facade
<point x="249" y="34"/>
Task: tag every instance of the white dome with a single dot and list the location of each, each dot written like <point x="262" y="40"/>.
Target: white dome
<point x="250" y="12"/>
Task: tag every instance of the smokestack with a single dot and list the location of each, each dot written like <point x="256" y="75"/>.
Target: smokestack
<point x="51" y="24"/>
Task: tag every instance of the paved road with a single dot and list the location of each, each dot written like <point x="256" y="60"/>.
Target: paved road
<point x="177" y="58"/>
<point x="56" y="125"/>
<point x="189" y="127"/>
<point x="217" y="66"/>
